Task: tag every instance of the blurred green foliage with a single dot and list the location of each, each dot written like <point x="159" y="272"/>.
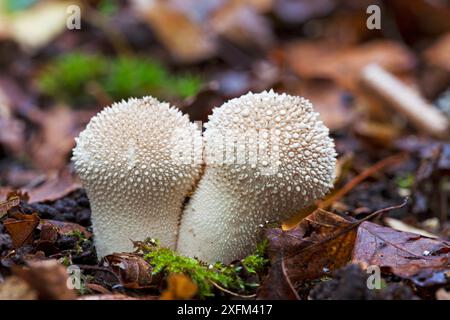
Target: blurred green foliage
<point x="17" y="5"/>
<point x="108" y="7"/>
<point x="70" y="78"/>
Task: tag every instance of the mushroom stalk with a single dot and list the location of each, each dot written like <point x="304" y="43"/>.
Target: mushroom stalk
<point x="138" y="161"/>
<point x="267" y="157"/>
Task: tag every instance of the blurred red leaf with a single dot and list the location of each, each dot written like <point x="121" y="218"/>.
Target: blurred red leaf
<point x="48" y="277"/>
<point x="51" y="147"/>
<point x="439" y="53"/>
<point x="319" y="59"/>
<point x="328" y="100"/>
<point x="56" y="186"/>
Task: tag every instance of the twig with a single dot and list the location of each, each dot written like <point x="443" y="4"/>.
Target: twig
<point x="405" y="100"/>
<point x="231" y="292"/>
<point x="377" y="167"/>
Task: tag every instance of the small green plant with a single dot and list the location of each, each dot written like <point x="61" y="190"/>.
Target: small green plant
<point x="70" y="77"/>
<point x="167" y="261"/>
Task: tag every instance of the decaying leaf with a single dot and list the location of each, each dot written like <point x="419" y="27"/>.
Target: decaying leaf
<point x="48" y="277"/>
<point x="116" y="296"/>
<point x="344" y="65"/>
<point x="177" y="31"/>
<point x="14" y="288"/>
<point x="401" y="226"/>
<point x="322" y="242"/>
<point x="12" y="200"/>
<point x="423" y="260"/>
<point x="51" y="146"/>
<point x="132" y="270"/>
<point x="20" y="227"/>
<point x="64" y="228"/>
<point x="438" y="54"/>
<point x="55" y="187"/>
<point x="442" y="294"/>
<point x="179" y="287"/>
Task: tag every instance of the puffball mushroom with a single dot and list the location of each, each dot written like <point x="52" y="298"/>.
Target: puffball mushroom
<point x="127" y="158"/>
<point x="234" y="199"/>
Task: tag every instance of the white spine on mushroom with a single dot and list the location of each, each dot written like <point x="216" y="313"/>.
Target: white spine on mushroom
<point x="136" y="187"/>
<point x="233" y="200"/>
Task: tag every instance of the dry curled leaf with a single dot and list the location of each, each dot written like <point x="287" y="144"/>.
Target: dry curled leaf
<point x="423" y="260"/>
<point x="132" y="270"/>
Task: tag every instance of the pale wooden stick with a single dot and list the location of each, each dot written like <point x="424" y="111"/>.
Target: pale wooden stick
<point x="405" y="100"/>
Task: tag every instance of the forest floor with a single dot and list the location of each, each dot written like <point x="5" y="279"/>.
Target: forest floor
<point x="382" y="233"/>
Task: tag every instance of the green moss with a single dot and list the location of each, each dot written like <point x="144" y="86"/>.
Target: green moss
<point x="186" y="86"/>
<point x="167" y="261"/>
<point x="108" y="8"/>
<point x="69" y="77"/>
<point x="405" y="181"/>
<point x="256" y="262"/>
<point x="135" y="77"/>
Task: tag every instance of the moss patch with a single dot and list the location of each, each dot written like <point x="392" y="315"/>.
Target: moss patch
<point x="234" y="277"/>
<point x="70" y="78"/>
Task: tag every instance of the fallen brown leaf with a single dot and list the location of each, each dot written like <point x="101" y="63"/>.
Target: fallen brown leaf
<point x="423" y="260"/>
<point x="48" y="277"/>
<point x="438" y="54"/>
<point x="321" y="242"/>
<point x="64" y="227"/>
<point x="55" y="187"/>
<point x="177" y="30"/>
<point x="132" y="270"/>
<point x="20" y="227"/>
<point x="51" y="147"/>
<point x="328" y="100"/>
<point x="442" y="294"/>
<point x="344" y="65"/>
<point x="14" y="288"/>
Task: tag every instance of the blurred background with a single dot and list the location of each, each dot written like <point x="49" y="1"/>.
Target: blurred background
<point x="63" y="61"/>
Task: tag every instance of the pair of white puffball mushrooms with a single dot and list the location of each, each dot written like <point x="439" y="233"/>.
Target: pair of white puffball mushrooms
<point x="137" y="185"/>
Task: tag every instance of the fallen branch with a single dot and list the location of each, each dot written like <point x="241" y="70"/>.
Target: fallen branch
<point x="405" y="100"/>
<point x="380" y="165"/>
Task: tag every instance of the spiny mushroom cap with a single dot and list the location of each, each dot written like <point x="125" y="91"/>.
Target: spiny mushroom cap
<point x="295" y="166"/>
<point x="128" y="160"/>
